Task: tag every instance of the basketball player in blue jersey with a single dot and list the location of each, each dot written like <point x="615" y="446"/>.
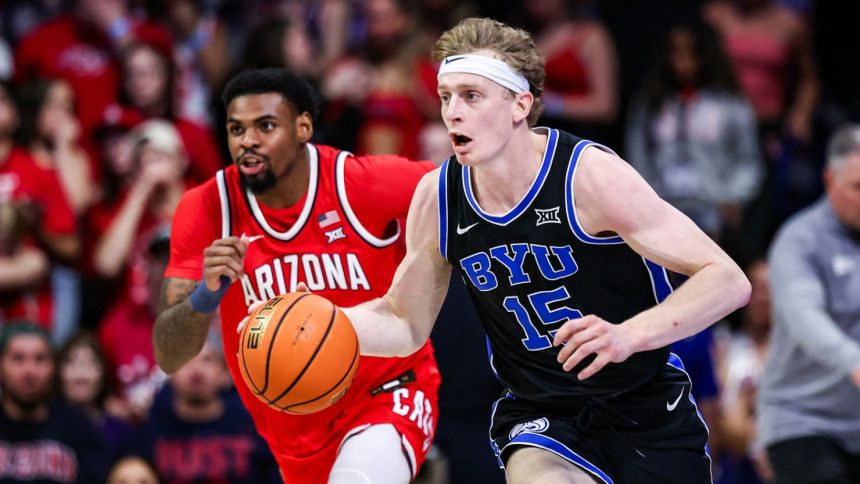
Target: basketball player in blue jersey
<point x="564" y="249"/>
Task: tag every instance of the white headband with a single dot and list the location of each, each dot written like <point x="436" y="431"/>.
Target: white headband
<point x="481" y="65"/>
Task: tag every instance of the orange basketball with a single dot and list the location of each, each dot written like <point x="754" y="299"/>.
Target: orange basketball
<point x="298" y="353"/>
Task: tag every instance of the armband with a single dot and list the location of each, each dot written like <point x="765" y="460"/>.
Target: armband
<point x="203" y="300"/>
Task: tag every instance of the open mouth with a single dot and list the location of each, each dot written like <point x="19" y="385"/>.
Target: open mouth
<point x="459" y="139"/>
<point x="251" y="165"/>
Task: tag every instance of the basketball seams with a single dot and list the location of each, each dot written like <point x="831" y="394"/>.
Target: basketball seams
<point x="309" y="361"/>
<point x="335" y="386"/>
<point x="272" y="344"/>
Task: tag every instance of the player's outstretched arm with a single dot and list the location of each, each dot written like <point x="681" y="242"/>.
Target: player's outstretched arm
<point x="400" y="322"/>
<point x="185" y="306"/>
<point x="611" y="197"/>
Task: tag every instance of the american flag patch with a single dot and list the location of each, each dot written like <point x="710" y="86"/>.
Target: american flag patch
<point x="329" y="218"/>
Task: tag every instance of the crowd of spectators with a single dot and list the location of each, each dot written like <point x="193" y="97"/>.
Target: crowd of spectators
<point x="110" y="110"/>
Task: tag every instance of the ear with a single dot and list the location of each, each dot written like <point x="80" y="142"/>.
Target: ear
<point x="522" y="106"/>
<point x="304" y="127"/>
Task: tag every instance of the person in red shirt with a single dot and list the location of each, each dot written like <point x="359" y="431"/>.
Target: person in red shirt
<point x="45" y="226"/>
<point x="287" y="214"/>
<point x="148" y="90"/>
<point x="79" y="47"/>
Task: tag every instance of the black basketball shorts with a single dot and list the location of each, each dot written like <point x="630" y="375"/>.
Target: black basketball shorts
<point x="651" y="434"/>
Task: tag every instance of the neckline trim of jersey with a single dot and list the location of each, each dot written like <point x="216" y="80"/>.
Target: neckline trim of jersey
<point x="313" y="162"/>
<point x="528" y="198"/>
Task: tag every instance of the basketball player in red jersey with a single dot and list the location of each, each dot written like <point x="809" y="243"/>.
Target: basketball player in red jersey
<point x="291" y="212"/>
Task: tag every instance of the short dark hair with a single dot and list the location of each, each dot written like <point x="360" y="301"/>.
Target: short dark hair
<point x="20" y="328"/>
<point x="296" y="91"/>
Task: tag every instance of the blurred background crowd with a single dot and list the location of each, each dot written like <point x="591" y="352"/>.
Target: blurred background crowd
<point x="110" y="110"/>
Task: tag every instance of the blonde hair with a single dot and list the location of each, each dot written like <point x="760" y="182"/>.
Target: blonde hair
<point x="513" y="46"/>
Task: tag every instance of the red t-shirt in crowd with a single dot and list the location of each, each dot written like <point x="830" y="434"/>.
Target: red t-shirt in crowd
<point x="21" y="179"/>
<point x="66" y="48"/>
<point x="201" y="147"/>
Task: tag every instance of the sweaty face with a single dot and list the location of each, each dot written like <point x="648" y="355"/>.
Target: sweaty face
<point x="843" y="189"/>
<point x="26" y="370"/>
<point x="478" y="114"/>
<point x="261" y="135"/>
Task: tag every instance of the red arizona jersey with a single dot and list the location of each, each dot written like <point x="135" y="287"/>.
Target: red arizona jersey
<point x="343" y="239"/>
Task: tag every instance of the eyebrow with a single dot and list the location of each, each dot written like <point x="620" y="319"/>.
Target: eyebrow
<point x="265" y="117"/>
<point x="460" y="86"/>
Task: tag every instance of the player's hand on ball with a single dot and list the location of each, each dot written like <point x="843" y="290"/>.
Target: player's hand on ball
<point x="300" y="287"/>
<point x="591" y="335"/>
<point x="223" y="258"/>
<point x="253" y="307"/>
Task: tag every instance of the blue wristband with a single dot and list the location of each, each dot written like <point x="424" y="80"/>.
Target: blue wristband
<point x="203" y="300"/>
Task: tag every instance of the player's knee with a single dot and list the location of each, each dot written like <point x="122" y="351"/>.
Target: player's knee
<point x="528" y="465"/>
<point x="373" y="456"/>
<point x="348" y="476"/>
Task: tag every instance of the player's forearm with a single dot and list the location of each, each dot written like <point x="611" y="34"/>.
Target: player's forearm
<point x="181" y="327"/>
<point x="178" y="335"/>
<point x="708" y="296"/>
<point x="381" y="332"/>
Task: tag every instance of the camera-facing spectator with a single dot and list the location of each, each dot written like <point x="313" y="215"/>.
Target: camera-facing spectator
<point x="83" y="382"/>
<point x="37" y="225"/>
<point x="79" y="46"/>
<point x="692" y="134"/>
<point x="149" y="90"/>
<point x="155" y="184"/>
<point x="41" y="439"/>
<point x="51" y="131"/>
<point x="127" y="254"/>
<point x="199" y="433"/>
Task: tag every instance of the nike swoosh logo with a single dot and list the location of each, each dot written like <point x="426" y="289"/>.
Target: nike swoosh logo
<point x="463" y="230"/>
<point x="452" y="59"/>
<point x="671" y="406"/>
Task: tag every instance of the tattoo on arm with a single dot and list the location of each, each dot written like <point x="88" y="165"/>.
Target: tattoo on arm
<point x="179" y="332"/>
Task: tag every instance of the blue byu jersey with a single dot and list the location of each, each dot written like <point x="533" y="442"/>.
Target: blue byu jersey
<point x="534" y="268"/>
